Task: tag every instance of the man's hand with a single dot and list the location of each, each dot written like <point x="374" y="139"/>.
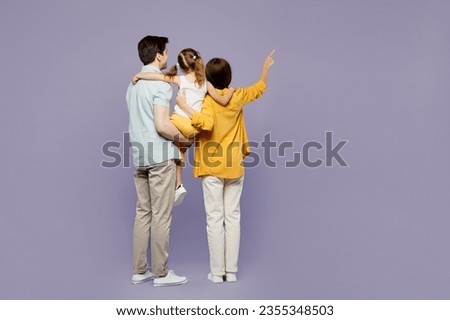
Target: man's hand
<point x="164" y="126"/>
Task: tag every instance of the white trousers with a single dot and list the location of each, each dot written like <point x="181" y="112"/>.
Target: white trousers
<point x="222" y="204"/>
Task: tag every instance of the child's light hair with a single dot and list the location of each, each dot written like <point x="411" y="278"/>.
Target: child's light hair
<point x="189" y="60"/>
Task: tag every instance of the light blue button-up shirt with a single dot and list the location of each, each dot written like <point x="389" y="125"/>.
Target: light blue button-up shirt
<point x="149" y="147"/>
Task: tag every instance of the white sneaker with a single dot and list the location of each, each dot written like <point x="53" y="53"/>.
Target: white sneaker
<point x="140" y="278"/>
<point x="231" y="277"/>
<point x="171" y="279"/>
<point x="180" y="193"/>
<point x="215" y="279"/>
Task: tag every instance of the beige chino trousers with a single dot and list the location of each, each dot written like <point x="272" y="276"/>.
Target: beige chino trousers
<point x="222" y="204"/>
<point x="155" y="188"/>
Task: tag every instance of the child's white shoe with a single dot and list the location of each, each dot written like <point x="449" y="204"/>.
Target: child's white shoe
<point x="180" y="193"/>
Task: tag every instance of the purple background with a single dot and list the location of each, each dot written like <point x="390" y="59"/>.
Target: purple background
<point x="373" y="72"/>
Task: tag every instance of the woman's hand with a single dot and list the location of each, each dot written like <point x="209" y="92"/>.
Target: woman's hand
<point x="269" y="60"/>
<point x="181" y="100"/>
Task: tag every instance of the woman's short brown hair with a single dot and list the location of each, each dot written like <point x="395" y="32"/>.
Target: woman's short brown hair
<point x="218" y="72"/>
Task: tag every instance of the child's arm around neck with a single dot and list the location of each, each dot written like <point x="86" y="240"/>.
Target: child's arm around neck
<point x="156" y="76"/>
<point x="222" y="100"/>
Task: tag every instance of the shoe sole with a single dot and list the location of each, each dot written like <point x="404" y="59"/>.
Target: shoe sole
<point x="142" y="281"/>
<point x="171" y="284"/>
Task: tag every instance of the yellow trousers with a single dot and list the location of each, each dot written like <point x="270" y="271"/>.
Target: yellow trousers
<point x="184" y="125"/>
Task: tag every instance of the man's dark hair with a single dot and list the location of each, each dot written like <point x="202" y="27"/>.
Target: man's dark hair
<point x="218" y="72"/>
<point x="149" y="46"/>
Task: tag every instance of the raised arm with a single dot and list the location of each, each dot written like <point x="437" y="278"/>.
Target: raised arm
<point x="268" y="62"/>
<point x="253" y="92"/>
<point x="155" y="76"/>
<point x="223" y="100"/>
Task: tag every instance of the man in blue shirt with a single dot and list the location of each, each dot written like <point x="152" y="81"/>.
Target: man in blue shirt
<point x="154" y="156"/>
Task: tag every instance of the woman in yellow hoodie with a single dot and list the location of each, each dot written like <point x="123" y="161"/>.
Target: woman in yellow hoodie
<point x="220" y="149"/>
